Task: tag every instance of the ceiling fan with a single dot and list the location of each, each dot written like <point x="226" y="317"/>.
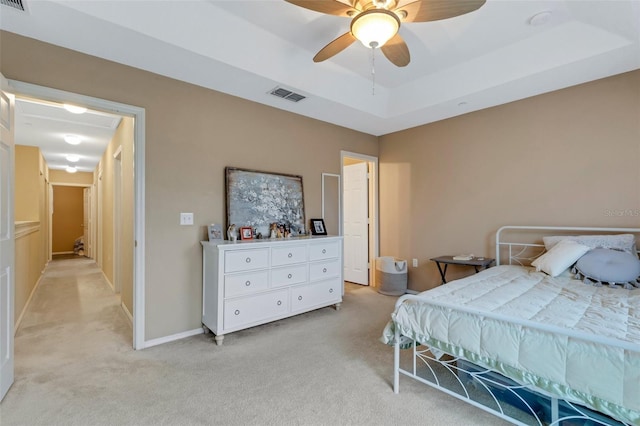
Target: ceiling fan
<point x="376" y="22"/>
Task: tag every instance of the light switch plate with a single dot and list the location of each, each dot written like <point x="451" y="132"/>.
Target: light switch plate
<point x="415" y="263"/>
<point x="186" y="218"/>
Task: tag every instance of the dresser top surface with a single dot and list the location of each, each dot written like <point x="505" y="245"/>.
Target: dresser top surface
<point x="224" y="244"/>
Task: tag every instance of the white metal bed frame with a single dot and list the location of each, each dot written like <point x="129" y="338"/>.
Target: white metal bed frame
<point x="488" y="382"/>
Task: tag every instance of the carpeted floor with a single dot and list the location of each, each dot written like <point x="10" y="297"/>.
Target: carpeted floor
<point x="75" y="366"/>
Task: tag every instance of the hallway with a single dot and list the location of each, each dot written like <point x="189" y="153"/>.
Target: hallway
<point x="74" y="326"/>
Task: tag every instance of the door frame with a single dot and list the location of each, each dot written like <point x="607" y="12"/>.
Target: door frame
<point x="19" y="88"/>
<point x="117" y="219"/>
<point x="374" y="221"/>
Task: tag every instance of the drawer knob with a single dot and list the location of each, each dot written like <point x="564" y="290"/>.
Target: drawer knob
<point x="299" y="297"/>
<point x="324" y="270"/>
<point x="248" y="260"/>
<point x="248" y="283"/>
<point x="290" y="255"/>
<point x="324" y="251"/>
<point x="289" y="276"/>
<point x="237" y="312"/>
<point x="279" y="302"/>
<point x="330" y="290"/>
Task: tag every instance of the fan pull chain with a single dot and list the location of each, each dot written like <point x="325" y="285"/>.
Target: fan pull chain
<point x="373" y="71"/>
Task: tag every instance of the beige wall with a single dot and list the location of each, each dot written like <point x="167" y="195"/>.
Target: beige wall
<point x="123" y="139"/>
<point x="27" y="183"/>
<point x="191" y="135"/>
<point x="28" y="265"/>
<point x="31" y="248"/>
<point x="570" y="157"/>
<point x="78" y="178"/>
<point x="68" y="209"/>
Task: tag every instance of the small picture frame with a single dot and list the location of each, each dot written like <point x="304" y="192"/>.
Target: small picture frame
<point x="215" y="232"/>
<point x="246" y="233"/>
<point x="317" y="227"/>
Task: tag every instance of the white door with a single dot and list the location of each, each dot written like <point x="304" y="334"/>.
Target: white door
<point x="356" y="226"/>
<point x="6" y="238"/>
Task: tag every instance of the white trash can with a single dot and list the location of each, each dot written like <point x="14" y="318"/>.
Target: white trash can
<point x="391" y="276"/>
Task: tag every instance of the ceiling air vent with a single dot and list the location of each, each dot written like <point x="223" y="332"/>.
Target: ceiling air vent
<point x="17" y="4"/>
<point x="287" y="94"/>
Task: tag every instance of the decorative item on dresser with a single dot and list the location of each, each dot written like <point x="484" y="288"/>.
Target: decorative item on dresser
<point x="257" y="199"/>
<point x="317" y="227"/>
<point x="215" y="232"/>
<point x="258" y="281"/>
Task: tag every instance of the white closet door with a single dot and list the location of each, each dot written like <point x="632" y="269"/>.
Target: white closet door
<point x="356" y="226"/>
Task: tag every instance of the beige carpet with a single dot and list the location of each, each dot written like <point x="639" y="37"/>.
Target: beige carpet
<point x="75" y="366"/>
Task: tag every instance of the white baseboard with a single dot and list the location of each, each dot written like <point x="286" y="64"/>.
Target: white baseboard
<point x="62" y="252"/>
<point x="26" y="305"/>
<point x="173" y="337"/>
<point x="127" y="313"/>
<point x="107" y="280"/>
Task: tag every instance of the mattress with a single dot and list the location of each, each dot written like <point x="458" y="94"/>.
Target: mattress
<point x="558" y="335"/>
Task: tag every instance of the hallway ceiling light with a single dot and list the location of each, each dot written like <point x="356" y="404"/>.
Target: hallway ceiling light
<point x="70" y="169"/>
<point x="72" y="140"/>
<point x="75" y="109"/>
<point x="73" y="158"/>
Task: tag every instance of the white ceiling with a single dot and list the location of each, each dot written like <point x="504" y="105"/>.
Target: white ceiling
<point x="246" y="48"/>
<point x="45" y="125"/>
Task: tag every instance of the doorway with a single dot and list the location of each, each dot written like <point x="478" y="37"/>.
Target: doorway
<point x="68" y="220"/>
<point x="359" y="216"/>
<point x="20" y="89"/>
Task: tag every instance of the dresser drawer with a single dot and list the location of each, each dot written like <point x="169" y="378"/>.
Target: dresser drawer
<point x="252" y="309"/>
<point x="328" y="250"/>
<point x="247" y="283"/>
<point x="246" y="260"/>
<point x="288" y="275"/>
<point x="288" y="255"/>
<point x="323" y="270"/>
<point x="323" y="292"/>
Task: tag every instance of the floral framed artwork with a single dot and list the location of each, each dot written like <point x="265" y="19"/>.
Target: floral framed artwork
<point x="246" y="233"/>
<point x="257" y="199"/>
<point x="317" y="227"/>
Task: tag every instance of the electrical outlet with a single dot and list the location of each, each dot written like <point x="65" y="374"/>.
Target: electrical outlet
<point x="415" y="263"/>
<point x="186" y="218"/>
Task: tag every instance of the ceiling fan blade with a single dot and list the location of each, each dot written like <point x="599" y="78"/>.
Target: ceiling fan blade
<point x="331" y="7"/>
<point x="434" y="10"/>
<point x="396" y="51"/>
<point x="335" y="47"/>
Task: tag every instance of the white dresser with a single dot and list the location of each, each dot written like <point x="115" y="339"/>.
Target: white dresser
<point x="247" y="283"/>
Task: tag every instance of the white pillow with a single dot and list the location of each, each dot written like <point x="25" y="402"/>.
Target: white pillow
<point x="560" y="257"/>
<point x="623" y="242"/>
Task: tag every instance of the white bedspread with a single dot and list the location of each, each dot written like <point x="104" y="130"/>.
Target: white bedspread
<point x="576" y="341"/>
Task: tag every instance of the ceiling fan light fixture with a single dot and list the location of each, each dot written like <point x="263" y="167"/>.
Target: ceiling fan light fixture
<point x="375" y="27"/>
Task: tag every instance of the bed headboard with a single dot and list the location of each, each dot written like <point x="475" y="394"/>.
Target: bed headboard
<point x="520" y="245"/>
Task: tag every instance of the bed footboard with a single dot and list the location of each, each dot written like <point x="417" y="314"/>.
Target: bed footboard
<point x="488" y="390"/>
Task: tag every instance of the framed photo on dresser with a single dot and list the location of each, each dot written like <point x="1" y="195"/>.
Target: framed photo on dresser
<point x="317" y="227"/>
